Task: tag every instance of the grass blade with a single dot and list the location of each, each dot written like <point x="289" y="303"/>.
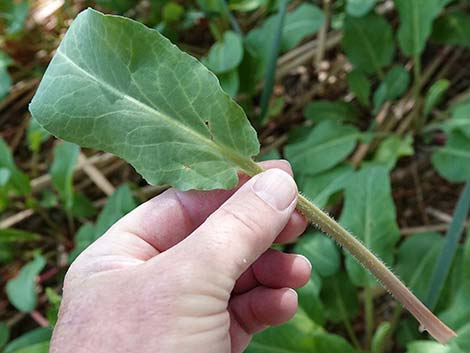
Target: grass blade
<point x="272" y="63"/>
<point x="444" y="262"/>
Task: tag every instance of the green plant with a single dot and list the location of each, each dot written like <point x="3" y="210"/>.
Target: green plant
<point x="165" y="113"/>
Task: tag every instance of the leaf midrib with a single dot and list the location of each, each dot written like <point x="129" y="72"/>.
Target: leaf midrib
<point x="224" y="150"/>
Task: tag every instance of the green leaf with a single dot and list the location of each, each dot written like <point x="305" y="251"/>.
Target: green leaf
<point x="359" y="8"/>
<point x="435" y="95"/>
<point x="172" y="12"/>
<point x="309" y="302"/>
<point x="458" y="312"/>
<point x="339" y="298"/>
<point x="327" y="144"/>
<point x="427" y="347"/>
<point x="119" y="6"/>
<point x="42" y="347"/>
<point x="230" y="82"/>
<point x="323" y="110"/>
<point x="360" y="86"/>
<point x="18" y="179"/>
<point x="416" y="18"/>
<point x="320" y="187"/>
<point x="300" y="23"/>
<point x="13" y="14"/>
<point x="21" y="290"/>
<point x="443" y="264"/>
<point x="460" y="119"/>
<point x="5" y="175"/>
<point x="321" y="251"/>
<point x="453" y="160"/>
<point x="368" y="42"/>
<point x="82" y="206"/>
<point x="118" y="205"/>
<point x="158" y="108"/>
<point x="8" y="235"/>
<point x="453" y="29"/>
<point x="369" y="213"/>
<point x="39" y="335"/>
<point x="83" y="238"/>
<point x="379" y="340"/>
<point x="299" y="335"/>
<point x="393" y="86"/>
<point x="65" y="160"/>
<point x="226" y="55"/>
<point x="5" y="79"/>
<point x="4" y="334"/>
<point x="392" y="149"/>
<point x="54" y="305"/>
<point x="415" y="260"/>
<point x="36" y="135"/>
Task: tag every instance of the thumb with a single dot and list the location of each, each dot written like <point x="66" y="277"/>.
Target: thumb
<point x="245" y="226"/>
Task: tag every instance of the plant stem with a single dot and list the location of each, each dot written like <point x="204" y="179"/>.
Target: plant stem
<point x="369" y="314"/>
<point x="345" y="319"/>
<point x="426" y="318"/>
<point x="376" y="267"/>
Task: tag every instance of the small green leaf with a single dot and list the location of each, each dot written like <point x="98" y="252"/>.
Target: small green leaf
<point x="5" y="79"/>
<point x="83" y="238"/>
<point x="5" y="175"/>
<point x="453" y="29"/>
<point x="393" y="86"/>
<point x="453" y="160"/>
<point x="460" y="118"/>
<point x="309" y="302"/>
<point x="118" y="205"/>
<point x="368" y="42"/>
<point x="230" y="82"/>
<point x="13" y="14"/>
<point x="327" y="144"/>
<point x="427" y="347"/>
<point x="321" y="252"/>
<point x="42" y="347"/>
<point x="226" y="55"/>
<point x="54" y="304"/>
<point x="339" y="298"/>
<point x="369" y="213"/>
<point x="21" y="290"/>
<point x="452" y="239"/>
<point x="18" y="179"/>
<point x="304" y="21"/>
<point x="82" y="206"/>
<point x="435" y="95"/>
<point x="8" y="235"/>
<point x="323" y="110"/>
<point x="36" y="135"/>
<point x="172" y="12"/>
<point x="416" y="18"/>
<point x="39" y="335"/>
<point x="159" y="108"/>
<point x="4" y="334"/>
<point x="65" y="160"/>
<point x="380" y="337"/>
<point x="392" y="149"/>
<point x="360" y="86"/>
<point x="320" y="187"/>
<point x="359" y="8"/>
<point x="120" y="6"/>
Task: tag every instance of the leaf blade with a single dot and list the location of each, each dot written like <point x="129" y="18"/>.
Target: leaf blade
<point x="131" y="108"/>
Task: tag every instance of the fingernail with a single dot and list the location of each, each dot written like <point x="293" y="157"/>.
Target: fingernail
<point x="276" y="188"/>
<point x="305" y="260"/>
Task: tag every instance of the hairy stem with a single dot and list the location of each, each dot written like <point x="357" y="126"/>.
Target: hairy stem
<point x="375" y="266"/>
<point x="426" y="318"/>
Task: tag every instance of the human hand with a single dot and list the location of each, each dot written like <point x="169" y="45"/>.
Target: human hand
<point x="188" y="272"/>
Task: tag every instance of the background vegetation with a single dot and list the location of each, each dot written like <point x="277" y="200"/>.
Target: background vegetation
<point x="369" y="100"/>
